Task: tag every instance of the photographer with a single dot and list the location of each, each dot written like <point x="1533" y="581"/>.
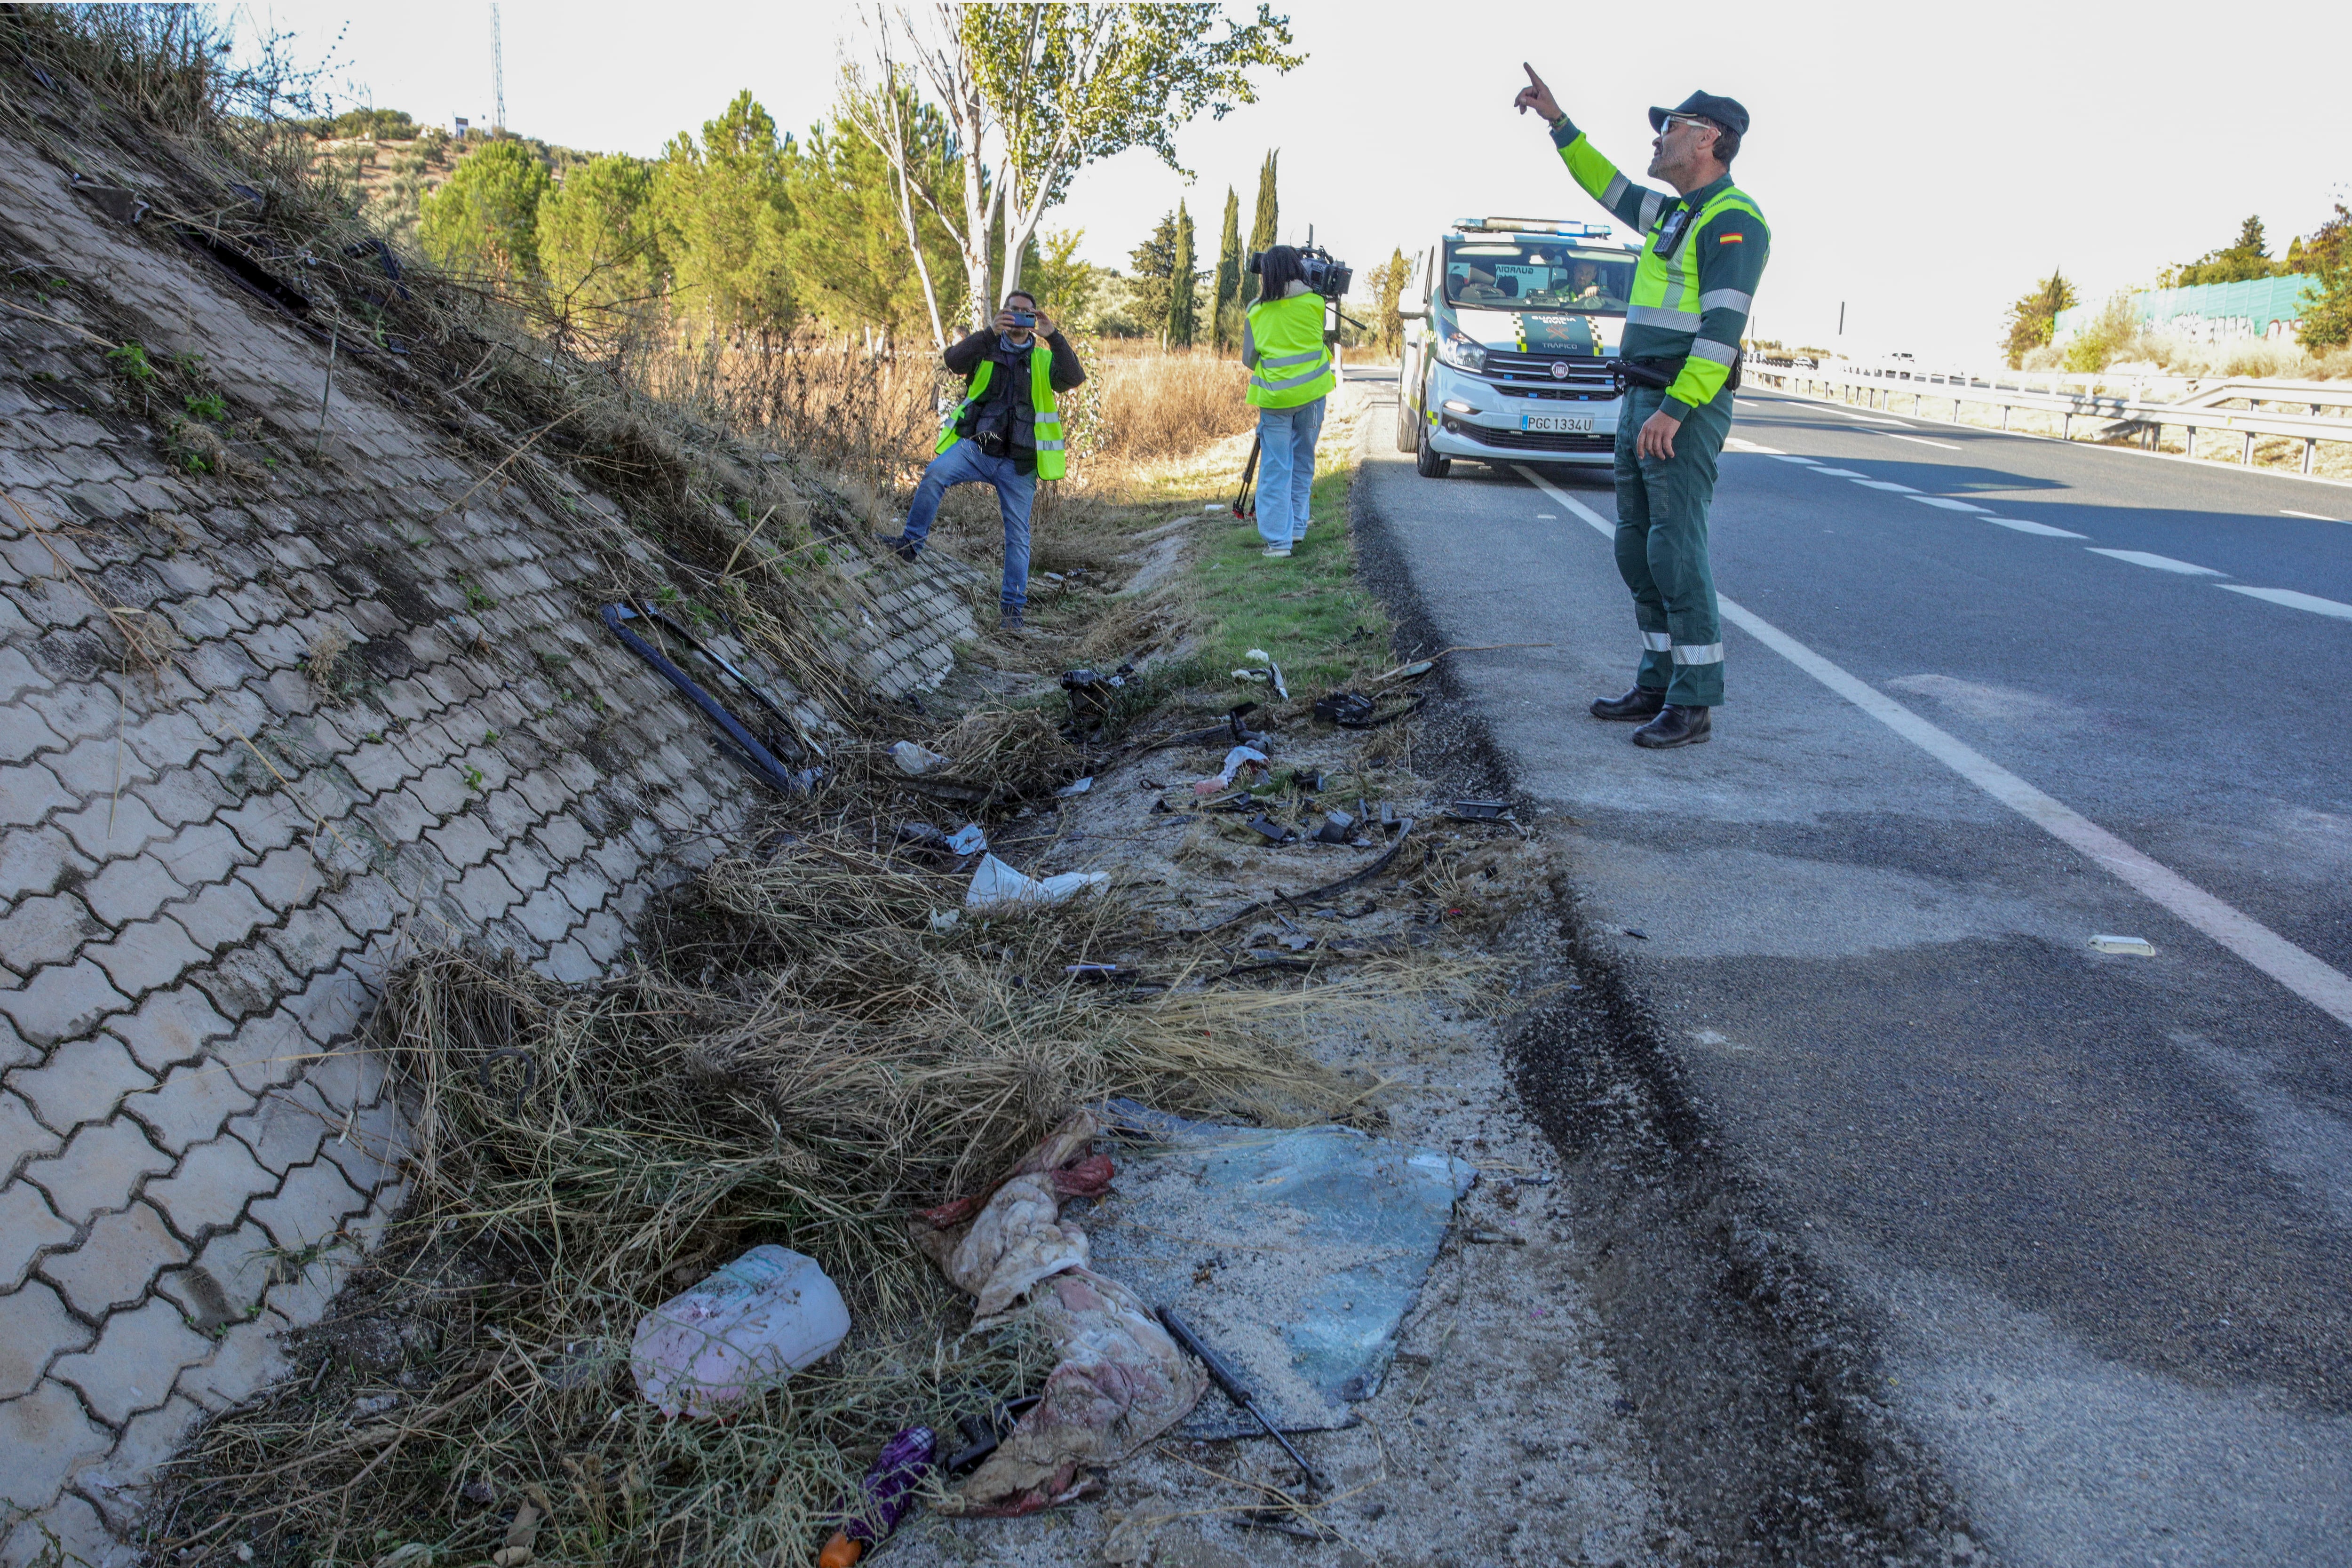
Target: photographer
<point x="1285" y="348"/>
<point x="1005" y="433"/>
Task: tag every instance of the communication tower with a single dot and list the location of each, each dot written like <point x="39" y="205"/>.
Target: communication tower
<point x="497" y="76"/>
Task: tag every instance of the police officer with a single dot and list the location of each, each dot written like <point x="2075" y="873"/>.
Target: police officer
<point x="1702" y="255"/>
<point x="1006" y="434"/>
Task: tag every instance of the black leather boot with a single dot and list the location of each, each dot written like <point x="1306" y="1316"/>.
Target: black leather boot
<point x="1641" y="702"/>
<point x="1676" y="725"/>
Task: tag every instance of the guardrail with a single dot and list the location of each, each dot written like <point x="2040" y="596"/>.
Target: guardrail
<point x="1878" y="388"/>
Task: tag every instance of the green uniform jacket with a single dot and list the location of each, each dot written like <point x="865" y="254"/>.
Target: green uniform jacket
<point x="1694" y="300"/>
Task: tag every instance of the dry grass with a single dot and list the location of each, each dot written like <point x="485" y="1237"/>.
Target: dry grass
<point x="1162" y="405"/>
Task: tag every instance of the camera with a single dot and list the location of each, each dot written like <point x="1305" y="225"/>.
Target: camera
<point x="1324" y="273"/>
<point x="1025" y="318"/>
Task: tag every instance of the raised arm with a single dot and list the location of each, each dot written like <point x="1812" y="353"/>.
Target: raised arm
<point x="1630" y="204"/>
<point x="1730" y="251"/>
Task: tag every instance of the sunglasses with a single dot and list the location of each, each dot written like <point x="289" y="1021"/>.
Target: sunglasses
<point x="1674" y="119"/>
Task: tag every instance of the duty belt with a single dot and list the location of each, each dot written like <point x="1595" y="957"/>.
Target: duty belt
<point x="1660" y="374"/>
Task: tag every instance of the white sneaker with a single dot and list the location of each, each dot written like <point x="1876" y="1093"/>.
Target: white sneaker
<point x="1276" y="553"/>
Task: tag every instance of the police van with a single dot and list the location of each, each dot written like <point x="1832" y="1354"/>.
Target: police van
<point x="1509" y="324"/>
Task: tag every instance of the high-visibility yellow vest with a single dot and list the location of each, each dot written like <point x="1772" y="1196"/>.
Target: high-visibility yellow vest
<point x="1293" y="366"/>
<point x="1050" y="464"/>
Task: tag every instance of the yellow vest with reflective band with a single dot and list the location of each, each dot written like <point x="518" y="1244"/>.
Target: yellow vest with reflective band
<point x="1047" y="430"/>
<point x="1666" y="287"/>
<point x="1293" y="368"/>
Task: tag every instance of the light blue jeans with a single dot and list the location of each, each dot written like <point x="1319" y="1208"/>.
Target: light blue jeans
<point x="1286" y="470"/>
<point x="965" y="464"/>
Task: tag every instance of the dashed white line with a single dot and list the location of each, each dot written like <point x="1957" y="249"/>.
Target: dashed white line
<point x="1865" y="419"/>
<point x="1948" y="504"/>
<point x="2290" y="511"/>
<point x="2160" y="562"/>
<point x="1920" y="440"/>
<point x="2043" y="528"/>
<point x="1791" y="457"/>
<point x="1839" y="473"/>
<point x="1887" y="484"/>
<point x="2325" y="987"/>
<point x="2293" y="600"/>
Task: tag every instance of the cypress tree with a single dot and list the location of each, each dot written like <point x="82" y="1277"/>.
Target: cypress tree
<point x="1181" y="278"/>
<point x="1263" y="230"/>
<point x="1227" y="298"/>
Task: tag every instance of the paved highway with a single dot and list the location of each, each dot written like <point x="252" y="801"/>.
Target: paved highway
<point x="1990" y="696"/>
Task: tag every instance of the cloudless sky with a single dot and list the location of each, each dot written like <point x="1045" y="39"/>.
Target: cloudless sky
<point x="1922" y="164"/>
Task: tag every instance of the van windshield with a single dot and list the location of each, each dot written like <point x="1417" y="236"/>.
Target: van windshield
<point x="1507" y="275"/>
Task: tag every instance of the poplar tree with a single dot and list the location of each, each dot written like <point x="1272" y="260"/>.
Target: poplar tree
<point x="1264" y="229"/>
<point x="1182" y="310"/>
<point x="1226" y="297"/>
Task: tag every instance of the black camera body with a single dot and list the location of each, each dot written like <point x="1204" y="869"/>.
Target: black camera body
<point x="1324" y="273"/>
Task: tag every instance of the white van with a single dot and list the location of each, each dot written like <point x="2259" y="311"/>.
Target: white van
<point x="1509" y="324"/>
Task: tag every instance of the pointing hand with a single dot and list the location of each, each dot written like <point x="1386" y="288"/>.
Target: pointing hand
<point x="1536" y="96"/>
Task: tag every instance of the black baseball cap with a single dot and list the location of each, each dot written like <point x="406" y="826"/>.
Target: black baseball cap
<point x="1725" y="112"/>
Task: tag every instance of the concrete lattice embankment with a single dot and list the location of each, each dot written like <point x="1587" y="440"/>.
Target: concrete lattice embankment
<point x="209" y="855"/>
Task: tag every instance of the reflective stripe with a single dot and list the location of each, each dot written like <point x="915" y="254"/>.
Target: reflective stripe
<point x="1651" y="202"/>
<point x="1707" y="348"/>
<point x="1618" y="185"/>
<point x="1691" y="652"/>
<point x="1050" y="446"/>
<point x="1307" y="358"/>
<point x="1659" y="316"/>
<point x="1301" y="379"/>
<point x="1715" y="299"/>
<point x="1657" y="642"/>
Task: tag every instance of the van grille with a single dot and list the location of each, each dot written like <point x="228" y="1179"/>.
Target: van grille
<point x="1509" y="364"/>
<point x="1534" y="440"/>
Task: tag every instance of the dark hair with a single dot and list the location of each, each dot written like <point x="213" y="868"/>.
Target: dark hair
<point x="1726" y="144"/>
<point x="1022" y="294"/>
<point x="1278" y="270"/>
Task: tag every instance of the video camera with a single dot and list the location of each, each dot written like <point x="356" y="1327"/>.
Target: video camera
<point x="1324" y="275"/>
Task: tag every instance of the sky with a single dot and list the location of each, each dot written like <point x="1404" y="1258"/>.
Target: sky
<point x="1920" y="166"/>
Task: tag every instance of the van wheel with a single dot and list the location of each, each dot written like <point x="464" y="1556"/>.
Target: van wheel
<point x="1425" y="460"/>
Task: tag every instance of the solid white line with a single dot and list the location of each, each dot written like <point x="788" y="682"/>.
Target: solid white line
<point x="2043" y="529"/>
<point x="1922" y="440"/>
<point x="2293" y="600"/>
<point x="2290" y="511"/>
<point x="2325" y="987"/>
<point x="1734" y="444"/>
<point x="2160" y="562"/>
<point x="1948" y="504"/>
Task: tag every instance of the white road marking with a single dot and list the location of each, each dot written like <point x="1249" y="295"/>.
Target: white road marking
<point x="1887" y="484"/>
<point x="1791" y="458"/>
<point x="1734" y="444"/>
<point x="2043" y="528"/>
<point x="1921" y="440"/>
<point x="2161" y="563"/>
<point x="2293" y="600"/>
<point x="1547" y="517"/>
<point x="1745" y="403"/>
<point x="2290" y="511"/>
<point x="1865" y="419"/>
<point x="1948" y="504"/>
<point x="1839" y="473"/>
<point x="2325" y="987"/>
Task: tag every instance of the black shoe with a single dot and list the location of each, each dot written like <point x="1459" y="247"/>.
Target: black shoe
<point x="1676" y="725"/>
<point x="1009" y="621"/>
<point x="904" y="548"/>
<point x="1641" y="702"/>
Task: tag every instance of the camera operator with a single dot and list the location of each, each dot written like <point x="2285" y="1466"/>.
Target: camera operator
<point x="1289" y="357"/>
<point x="1005" y="433"/>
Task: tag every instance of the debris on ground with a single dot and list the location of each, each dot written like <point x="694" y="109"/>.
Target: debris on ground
<point x="2134" y="944"/>
<point x="752" y="1322"/>
<point x="997" y="883"/>
<point x="884" y="1497"/>
<point x="916" y="761"/>
<point x="1262" y="669"/>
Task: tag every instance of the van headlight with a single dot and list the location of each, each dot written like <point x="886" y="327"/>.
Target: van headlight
<point x="1458" y="350"/>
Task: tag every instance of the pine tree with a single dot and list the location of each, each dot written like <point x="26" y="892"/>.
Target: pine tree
<point x="1182" y="310"/>
<point x="1226" y="299"/>
<point x="1264" y="229"/>
<point x="2034" y="317"/>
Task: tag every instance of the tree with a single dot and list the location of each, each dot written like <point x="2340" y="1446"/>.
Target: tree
<point x="848" y="253"/>
<point x="2324" y="246"/>
<point x="1183" y="278"/>
<point x="1264" y="228"/>
<point x="725" y="214"/>
<point x="1388" y="281"/>
<point x="1155" y="263"/>
<point x="1035" y="93"/>
<point x="1225" y="295"/>
<point x="2250" y="258"/>
<point x="1065" y="285"/>
<point x="913" y="139"/>
<point x="2327" y="323"/>
<point x="2034" y="317"/>
<point x="485" y="216"/>
<point x="598" y="240"/>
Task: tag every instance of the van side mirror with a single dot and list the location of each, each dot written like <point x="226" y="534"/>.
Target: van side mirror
<point x="1412" y="312"/>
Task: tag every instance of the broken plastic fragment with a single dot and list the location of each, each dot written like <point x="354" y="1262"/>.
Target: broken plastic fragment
<point x="998" y="883"/>
<point x="916" y="761"/>
<point x="1084" y="785"/>
<point x="2138" y="944"/>
<point x="967" y="840"/>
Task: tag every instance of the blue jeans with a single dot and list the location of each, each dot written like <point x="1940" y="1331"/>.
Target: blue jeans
<point x="1286" y="470"/>
<point x="965" y="464"/>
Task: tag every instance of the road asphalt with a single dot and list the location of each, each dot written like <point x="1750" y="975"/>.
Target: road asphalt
<point x="2096" y="1206"/>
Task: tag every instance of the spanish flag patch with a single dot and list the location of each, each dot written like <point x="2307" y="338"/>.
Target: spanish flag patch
<point x="1731" y="240"/>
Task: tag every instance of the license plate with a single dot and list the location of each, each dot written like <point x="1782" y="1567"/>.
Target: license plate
<point x="1570" y="424"/>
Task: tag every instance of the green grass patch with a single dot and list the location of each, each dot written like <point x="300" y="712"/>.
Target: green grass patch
<point x="1312" y="611"/>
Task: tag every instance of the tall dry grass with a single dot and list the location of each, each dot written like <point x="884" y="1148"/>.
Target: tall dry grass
<point x="1168" y="403"/>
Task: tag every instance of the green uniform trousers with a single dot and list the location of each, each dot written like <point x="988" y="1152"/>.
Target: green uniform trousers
<point x="1662" y="548"/>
